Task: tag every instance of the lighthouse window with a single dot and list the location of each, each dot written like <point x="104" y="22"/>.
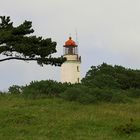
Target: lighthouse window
<point x="78" y="80"/>
<point x="77" y="68"/>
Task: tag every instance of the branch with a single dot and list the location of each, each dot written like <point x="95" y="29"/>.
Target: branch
<point x="40" y="61"/>
<point x="18" y="58"/>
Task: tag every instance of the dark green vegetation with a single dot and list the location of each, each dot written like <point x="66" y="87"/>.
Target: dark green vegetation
<point x="15" y="43"/>
<point x="117" y="77"/>
<point x="103" y="83"/>
<point x="57" y="119"/>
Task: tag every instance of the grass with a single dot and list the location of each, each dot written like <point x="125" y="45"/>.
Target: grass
<point x="56" y="119"/>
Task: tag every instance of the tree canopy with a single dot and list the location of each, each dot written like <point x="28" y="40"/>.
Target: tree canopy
<point x="112" y="77"/>
<point x="17" y="43"/>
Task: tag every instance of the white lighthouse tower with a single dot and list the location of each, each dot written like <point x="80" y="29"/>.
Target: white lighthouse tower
<point x="70" y="69"/>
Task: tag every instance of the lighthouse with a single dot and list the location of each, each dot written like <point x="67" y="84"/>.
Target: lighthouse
<point x="70" y="69"/>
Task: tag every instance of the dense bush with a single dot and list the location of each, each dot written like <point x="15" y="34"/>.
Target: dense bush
<point x="133" y="93"/>
<point x="77" y="93"/>
<point x="15" y="89"/>
<point x="44" y="88"/>
<point x="107" y="76"/>
<point x="103" y="83"/>
<point x="1" y="93"/>
<point x="74" y="92"/>
<point x="86" y="95"/>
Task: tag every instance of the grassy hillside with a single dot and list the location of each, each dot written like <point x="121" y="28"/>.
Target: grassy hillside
<point x="56" y="119"/>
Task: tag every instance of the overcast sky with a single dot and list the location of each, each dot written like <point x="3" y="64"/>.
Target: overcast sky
<point x="108" y="31"/>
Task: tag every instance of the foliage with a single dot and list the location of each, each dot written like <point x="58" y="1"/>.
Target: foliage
<point x="133" y="93"/>
<point x="1" y="92"/>
<point x="15" y="43"/>
<point x="15" y="89"/>
<point x="107" y="76"/>
<point x="86" y="95"/>
<point x="79" y="93"/>
<point x="44" y="88"/>
<point x="99" y="85"/>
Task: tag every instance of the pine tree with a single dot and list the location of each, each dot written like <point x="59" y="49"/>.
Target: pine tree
<point x="17" y="43"/>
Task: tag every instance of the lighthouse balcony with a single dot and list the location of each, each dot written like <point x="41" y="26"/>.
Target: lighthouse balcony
<point x="73" y="57"/>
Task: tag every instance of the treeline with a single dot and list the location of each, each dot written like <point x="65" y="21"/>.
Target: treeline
<point x="103" y="83"/>
<point x="109" y="76"/>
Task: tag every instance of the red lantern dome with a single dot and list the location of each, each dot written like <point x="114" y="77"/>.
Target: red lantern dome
<point x="70" y="42"/>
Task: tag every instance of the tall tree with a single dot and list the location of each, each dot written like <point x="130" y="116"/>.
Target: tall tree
<point x="15" y="43"/>
<point x="110" y="76"/>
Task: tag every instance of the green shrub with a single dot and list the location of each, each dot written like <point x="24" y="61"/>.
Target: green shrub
<point x="114" y="77"/>
<point x="78" y="93"/>
<point x="32" y="93"/>
<point x="120" y="97"/>
<point x="108" y="95"/>
<point x="86" y="95"/>
<point x="133" y="93"/>
<point x="15" y="89"/>
<point x="44" y="88"/>
<point x="74" y="92"/>
<point x="1" y="93"/>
